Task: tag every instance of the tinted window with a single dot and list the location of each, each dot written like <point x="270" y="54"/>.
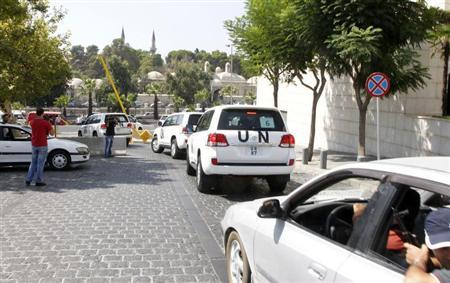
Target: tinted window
<point x="251" y="119"/>
<point x="193" y="119"/>
<point x="205" y="121"/>
<point x="119" y="118"/>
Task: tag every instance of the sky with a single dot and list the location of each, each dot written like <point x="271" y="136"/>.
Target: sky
<point x="178" y="24"/>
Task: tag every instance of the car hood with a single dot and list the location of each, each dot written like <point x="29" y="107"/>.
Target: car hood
<point x="62" y="143"/>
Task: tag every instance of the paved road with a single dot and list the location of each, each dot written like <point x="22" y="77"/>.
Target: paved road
<point x="136" y="218"/>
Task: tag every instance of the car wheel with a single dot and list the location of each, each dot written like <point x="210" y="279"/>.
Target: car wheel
<point x="277" y="184"/>
<point x="204" y="182"/>
<point x="94" y="134"/>
<point x="80" y="134"/>
<point x="156" y="147"/>
<point x="175" y="152"/>
<point x="59" y="160"/>
<point x="238" y="269"/>
<point x="189" y="169"/>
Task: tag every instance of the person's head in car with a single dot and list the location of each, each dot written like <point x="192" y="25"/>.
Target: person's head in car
<point x="437" y="235"/>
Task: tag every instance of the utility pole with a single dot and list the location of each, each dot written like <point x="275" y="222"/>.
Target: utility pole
<point x="231" y="56"/>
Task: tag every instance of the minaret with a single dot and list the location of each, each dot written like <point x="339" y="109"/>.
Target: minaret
<point x="153" y="48"/>
<point x="122" y="37"/>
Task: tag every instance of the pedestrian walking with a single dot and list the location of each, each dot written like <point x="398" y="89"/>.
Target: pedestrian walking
<point x="40" y="129"/>
<point x="109" y="135"/>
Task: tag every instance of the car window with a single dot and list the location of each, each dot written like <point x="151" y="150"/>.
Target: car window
<point x="178" y="119"/>
<point x="405" y="221"/>
<point x="333" y="211"/>
<point x="205" y="121"/>
<point x="251" y="119"/>
<point x="15" y="134"/>
<point x="193" y="119"/>
<point x="119" y="118"/>
<point x="168" y="121"/>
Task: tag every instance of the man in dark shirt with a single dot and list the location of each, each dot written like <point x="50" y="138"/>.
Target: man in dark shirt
<point x="109" y="135"/>
<point x="40" y="129"/>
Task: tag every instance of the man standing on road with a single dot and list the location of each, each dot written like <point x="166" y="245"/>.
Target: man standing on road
<point x="40" y="129"/>
<point x="109" y="135"/>
<point x="437" y="239"/>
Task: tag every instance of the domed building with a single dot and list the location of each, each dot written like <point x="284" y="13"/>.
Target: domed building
<point x="227" y="78"/>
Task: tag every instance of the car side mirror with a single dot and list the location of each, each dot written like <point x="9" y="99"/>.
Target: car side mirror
<point x="271" y="209"/>
<point x="159" y="123"/>
<point x="194" y="128"/>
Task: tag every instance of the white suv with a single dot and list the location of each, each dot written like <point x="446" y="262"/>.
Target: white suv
<point x="241" y="140"/>
<point x="174" y="133"/>
<point x="95" y="125"/>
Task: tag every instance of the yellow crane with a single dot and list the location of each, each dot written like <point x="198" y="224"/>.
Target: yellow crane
<point x="144" y="135"/>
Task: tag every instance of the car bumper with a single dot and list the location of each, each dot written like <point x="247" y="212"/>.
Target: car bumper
<point x="247" y="169"/>
<point x="79" y="158"/>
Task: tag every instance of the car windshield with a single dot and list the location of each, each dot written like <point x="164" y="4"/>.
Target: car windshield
<point x="251" y="119"/>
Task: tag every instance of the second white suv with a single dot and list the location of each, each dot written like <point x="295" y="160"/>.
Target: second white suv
<point x="174" y="133"/>
<point x="241" y="140"/>
<point x="95" y="125"/>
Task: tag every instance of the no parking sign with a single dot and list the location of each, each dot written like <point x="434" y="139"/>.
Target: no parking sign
<point x="378" y="84"/>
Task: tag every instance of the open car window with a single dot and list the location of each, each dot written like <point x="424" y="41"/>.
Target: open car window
<point x="336" y="208"/>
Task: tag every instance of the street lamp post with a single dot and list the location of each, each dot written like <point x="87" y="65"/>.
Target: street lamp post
<point x="231" y="56"/>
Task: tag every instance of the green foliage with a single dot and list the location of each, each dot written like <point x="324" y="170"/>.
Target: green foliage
<point x="62" y="101"/>
<point x="17" y="105"/>
<point x="32" y="58"/>
<point x="201" y="96"/>
<point x="187" y="80"/>
<point x="229" y="91"/>
<point x="121" y="75"/>
<point x="178" y="102"/>
<point x="176" y="56"/>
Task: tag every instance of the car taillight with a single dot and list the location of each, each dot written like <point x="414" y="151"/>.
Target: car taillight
<point x="287" y="141"/>
<point x="184" y="131"/>
<point x="291" y="162"/>
<point x="129" y="125"/>
<point x="103" y="126"/>
<point x="217" y="140"/>
<point x="214" y="161"/>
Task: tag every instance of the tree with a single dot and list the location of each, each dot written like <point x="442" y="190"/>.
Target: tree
<point x="122" y="75"/>
<point x="439" y="38"/>
<point x="88" y="88"/>
<point x="201" y="97"/>
<point x="176" y="56"/>
<point x="155" y="88"/>
<point x="125" y="53"/>
<point x="229" y="91"/>
<point x="177" y="102"/>
<point x="32" y="58"/>
<point x="62" y="102"/>
<point x="370" y="37"/>
<point x="187" y="80"/>
<point x="299" y="45"/>
<point x="251" y="34"/>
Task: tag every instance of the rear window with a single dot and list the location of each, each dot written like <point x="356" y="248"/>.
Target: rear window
<point x="251" y="119"/>
<point x="119" y="118"/>
<point x="193" y="119"/>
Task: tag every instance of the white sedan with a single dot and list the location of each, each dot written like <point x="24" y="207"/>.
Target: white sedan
<point x="335" y="228"/>
<point x="15" y="148"/>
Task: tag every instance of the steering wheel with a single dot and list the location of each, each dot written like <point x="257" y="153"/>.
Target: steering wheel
<point x="337" y="226"/>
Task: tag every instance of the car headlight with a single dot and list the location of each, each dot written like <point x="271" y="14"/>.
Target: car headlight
<point x="82" y="150"/>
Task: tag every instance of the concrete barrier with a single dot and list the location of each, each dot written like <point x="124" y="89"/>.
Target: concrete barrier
<point x="97" y="144"/>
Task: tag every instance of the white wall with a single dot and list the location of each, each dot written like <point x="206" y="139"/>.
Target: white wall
<point x="404" y="131"/>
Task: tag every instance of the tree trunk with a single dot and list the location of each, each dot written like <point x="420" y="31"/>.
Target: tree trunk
<point x="275" y="92"/>
<point x="65" y="111"/>
<point x="90" y="104"/>
<point x="155" y="107"/>
<point x="312" y="131"/>
<point x="445" y="102"/>
<point x="362" y="133"/>
<point x="7" y="109"/>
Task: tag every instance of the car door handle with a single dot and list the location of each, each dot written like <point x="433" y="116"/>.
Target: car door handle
<point x="317" y="271"/>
